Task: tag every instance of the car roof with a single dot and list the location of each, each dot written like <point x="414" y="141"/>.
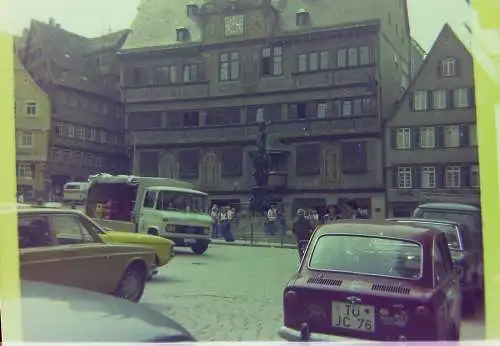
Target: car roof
<point x="77" y="315"/>
<point x="390" y="229"/>
<point x="450" y="206"/>
<point x="422" y="220"/>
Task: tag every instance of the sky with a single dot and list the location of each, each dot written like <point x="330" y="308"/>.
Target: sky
<point x="96" y="17"/>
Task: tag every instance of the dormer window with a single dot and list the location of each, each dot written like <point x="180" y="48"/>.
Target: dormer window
<point x="182" y="34"/>
<point x="302" y="17"/>
<point x="192" y="10"/>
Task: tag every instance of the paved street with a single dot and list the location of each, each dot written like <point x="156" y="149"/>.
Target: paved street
<point x="233" y="293"/>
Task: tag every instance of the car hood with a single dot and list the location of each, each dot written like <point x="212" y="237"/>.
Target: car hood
<point x="128" y="237"/>
<point x="82" y="316"/>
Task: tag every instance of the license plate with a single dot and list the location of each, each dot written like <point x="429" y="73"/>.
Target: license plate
<point x="353" y="317"/>
<point x="189" y="241"/>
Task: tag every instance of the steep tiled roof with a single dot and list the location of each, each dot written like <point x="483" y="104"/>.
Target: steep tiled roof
<point x="67" y="52"/>
<point x="112" y="40"/>
<point x="157" y="20"/>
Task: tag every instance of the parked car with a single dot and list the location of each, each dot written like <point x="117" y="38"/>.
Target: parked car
<point x="164" y="248"/>
<point x="54" y="313"/>
<point x="373" y="281"/>
<point x="467" y="214"/>
<point x="465" y="252"/>
<point x="62" y="246"/>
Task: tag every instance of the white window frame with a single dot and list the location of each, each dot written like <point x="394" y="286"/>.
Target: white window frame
<point x="428" y="175"/>
<point x="403" y="138"/>
<point x="451" y="136"/>
<point x="26" y="139"/>
<point x="31" y="108"/>
<point x="475" y="179"/>
<point x="24" y="171"/>
<point x="93" y="134"/>
<point x="59" y="127"/>
<point x="405" y="178"/>
<point x="321" y="110"/>
<point x="341" y="58"/>
<point x="449" y="67"/>
<point x="461" y="98"/>
<point x="439" y="98"/>
<point x="80" y="132"/>
<point x="420" y="100"/>
<point x="71" y="130"/>
<point x="427" y="137"/>
<point x="453" y="176"/>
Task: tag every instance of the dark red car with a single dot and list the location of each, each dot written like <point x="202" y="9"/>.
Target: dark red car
<point x="374" y="281"/>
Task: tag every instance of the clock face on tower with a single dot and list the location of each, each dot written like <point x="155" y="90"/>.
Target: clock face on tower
<point x="234" y="25"/>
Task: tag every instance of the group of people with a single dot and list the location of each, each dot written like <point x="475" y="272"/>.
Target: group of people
<point x="221" y="222"/>
<point x="306" y="221"/>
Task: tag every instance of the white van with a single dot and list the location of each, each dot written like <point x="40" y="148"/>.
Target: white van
<point x="75" y="192"/>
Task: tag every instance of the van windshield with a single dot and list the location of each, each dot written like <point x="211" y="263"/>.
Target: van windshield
<point x="182" y="201"/>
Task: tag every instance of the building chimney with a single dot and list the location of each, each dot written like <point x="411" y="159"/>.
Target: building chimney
<point x="52" y="21"/>
<point x="58" y="25"/>
<point x="25" y="32"/>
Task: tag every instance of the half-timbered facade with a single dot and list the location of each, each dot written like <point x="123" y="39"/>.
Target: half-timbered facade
<point x="81" y="77"/>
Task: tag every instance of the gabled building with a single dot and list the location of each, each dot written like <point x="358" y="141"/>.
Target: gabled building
<point x="198" y="76"/>
<point x="81" y="77"/>
<point x="33" y="116"/>
<point x="431" y="145"/>
<point x="417" y="55"/>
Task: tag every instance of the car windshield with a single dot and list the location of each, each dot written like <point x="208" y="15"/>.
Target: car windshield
<point x="182" y="201"/>
<point x="469" y="219"/>
<point x="367" y="255"/>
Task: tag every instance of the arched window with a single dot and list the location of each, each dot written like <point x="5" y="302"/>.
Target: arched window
<point x="168" y="167"/>
<point x="210" y="170"/>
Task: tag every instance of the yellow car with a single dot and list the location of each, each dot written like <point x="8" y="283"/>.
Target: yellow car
<point x="164" y="248"/>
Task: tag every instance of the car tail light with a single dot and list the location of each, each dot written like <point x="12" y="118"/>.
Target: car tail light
<point x="423" y="311"/>
<point x="291" y="300"/>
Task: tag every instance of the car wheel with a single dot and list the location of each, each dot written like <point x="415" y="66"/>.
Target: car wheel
<point x="132" y="283"/>
<point x="199" y="248"/>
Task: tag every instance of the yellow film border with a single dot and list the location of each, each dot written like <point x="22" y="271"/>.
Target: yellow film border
<point x="10" y="309"/>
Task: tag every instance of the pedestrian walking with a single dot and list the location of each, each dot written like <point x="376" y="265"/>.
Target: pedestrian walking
<point x="214" y="213"/>
<point x="272" y="217"/>
<point x="226" y="224"/>
<point x="314" y="219"/>
<point x="302" y="231"/>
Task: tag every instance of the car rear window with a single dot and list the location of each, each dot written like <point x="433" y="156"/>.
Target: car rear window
<point x="367" y="256"/>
